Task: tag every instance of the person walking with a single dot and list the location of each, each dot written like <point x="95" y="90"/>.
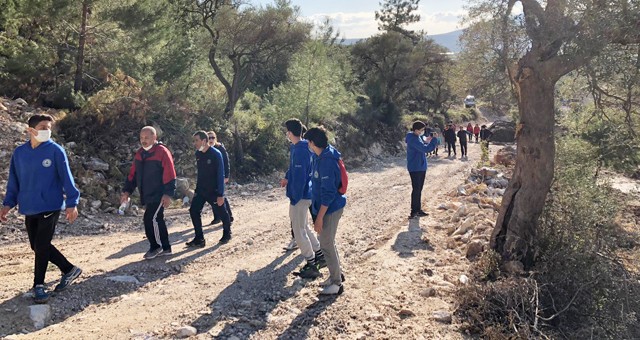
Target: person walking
<point x="153" y="174"/>
<point x="39" y="180"/>
<point x="470" y="130"/>
<point x="417" y="165"/>
<point x="462" y="137"/>
<point x="476" y="132"/>
<point x="213" y="142"/>
<point x="450" y="139"/>
<point x="209" y="189"/>
<point x="327" y="204"/>
<point x="298" y="189"/>
<point x="485" y="134"/>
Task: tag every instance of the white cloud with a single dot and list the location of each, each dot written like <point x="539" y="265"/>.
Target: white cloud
<point x="363" y="24"/>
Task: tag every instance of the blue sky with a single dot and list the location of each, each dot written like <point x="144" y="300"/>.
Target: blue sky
<point x="355" y="18"/>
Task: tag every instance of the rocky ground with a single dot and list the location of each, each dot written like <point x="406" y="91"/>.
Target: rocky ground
<point x="400" y="274"/>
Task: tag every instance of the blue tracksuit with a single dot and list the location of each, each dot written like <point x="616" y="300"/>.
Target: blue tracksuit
<point x="325" y="181"/>
<point x="299" y="173"/>
<point x="39" y="178"/>
<point x="416" y="152"/>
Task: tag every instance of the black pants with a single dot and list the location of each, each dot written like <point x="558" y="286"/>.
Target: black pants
<point x="226" y="206"/>
<point x="154" y="226"/>
<point x="40" y="229"/>
<point x="476" y="137"/>
<point x="463" y="148"/>
<point x="417" y="183"/>
<point x="195" y="212"/>
<point x="451" y="146"/>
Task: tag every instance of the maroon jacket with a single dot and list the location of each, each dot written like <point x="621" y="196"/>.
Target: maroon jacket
<point x="153" y="173"/>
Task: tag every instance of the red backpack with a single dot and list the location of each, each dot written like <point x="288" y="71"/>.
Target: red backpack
<point x="344" y="177"/>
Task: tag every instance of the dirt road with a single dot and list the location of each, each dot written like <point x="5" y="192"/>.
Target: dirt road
<point x="245" y="289"/>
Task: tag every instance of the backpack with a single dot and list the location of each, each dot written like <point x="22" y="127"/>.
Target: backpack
<point x="344" y="178"/>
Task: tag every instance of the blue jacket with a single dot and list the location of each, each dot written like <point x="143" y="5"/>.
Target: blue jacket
<point x="325" y="180"/>
<point x="39" y="179"/>
<point x="416" y="152"/>
<point x="299" y="173"/>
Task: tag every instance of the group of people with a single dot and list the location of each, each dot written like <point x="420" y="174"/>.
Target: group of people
<point x="423" y="140"/>
<point x="41" y="185"/>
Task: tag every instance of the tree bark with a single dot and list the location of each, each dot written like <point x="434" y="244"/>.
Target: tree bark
<point x="522" y="204"/>
<point x="77" y="84"/>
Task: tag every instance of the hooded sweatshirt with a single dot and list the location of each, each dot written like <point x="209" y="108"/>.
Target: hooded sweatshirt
<point x="39" y="178"/>
<point x="325" y="181"/>
<point x="416" y="152"/>
<point x="299" y="173"/>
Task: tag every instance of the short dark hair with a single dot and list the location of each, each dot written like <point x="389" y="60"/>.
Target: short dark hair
<point x="418" y="125"/>
<point x="201" y="134"/>
<point x="37" y="118"/>
<point x="295" y="126"/>
<point x="317" y="135"/>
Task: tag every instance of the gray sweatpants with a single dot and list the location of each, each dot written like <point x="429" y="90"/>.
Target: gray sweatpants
<point x="305" y="238"/>
<point x="328" y="245"/>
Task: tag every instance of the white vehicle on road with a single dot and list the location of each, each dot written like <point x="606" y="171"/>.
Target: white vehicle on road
<point x="470" y="101"/>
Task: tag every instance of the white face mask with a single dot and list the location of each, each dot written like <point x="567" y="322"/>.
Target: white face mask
<point x="43" y="135"/>
<point x="147" y="148"/>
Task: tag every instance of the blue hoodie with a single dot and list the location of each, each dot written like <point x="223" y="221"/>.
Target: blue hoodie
<point x="39" y="178"/>
<point x="416" y="152"/>
<point x="325" y="181"/>
<point x="299" y="173"/>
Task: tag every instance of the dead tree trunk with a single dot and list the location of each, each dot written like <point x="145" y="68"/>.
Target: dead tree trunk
<point x="77" y="84"/>
<point x="524" y="199"/>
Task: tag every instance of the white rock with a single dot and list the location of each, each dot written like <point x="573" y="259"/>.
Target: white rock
<point x="369" y="253"/>
<point x="186" y="331"/>
<point x="71" y="145"/>
<point x="2" y="107"/>
<point x="269" y="187"/>
<point x="21" y="101"/>
<point x="123" y="278"/>
<point x="96" y="164"/>
<point x="442" y="316"/>
<point x="463" y="279"/>
<point x="39" y="314"/>
<point x="96" y="204"/>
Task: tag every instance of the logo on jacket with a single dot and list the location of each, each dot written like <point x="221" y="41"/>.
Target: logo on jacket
<point x="46" y="163"/>
<point x="316" y="174"/>
<point x="208" y="161"/>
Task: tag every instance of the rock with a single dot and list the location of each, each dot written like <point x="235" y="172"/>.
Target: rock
<point x="233" y="337"/>
<point x="443" y="207"/>
<point x="405" y="313"/>
<point x="96" y="164"/>
<point x="245" y="193"/>
<point x="71" y="145"/>
<point x="96" y="204"/>
<point x="461" y="212"/>
<point x="182" y="185"/>
<point x="442" y="316"/>
<point x="462" y="191"/>
<point x="40" y="315"/>
<point x="505" y="156"/>
<point x="21" y="102"/>
<point x="376" y="317"/>
<point x="124" y="278"/>
<point x="503" y="132"/>
<point x="249" y="242"/>
<point x="269" y="187"/>
<point x="488" y="173"/>
<point x="467" y="236"/>
<point x="451" y="243"/>
<point x="186" y="331"/>
<point x="463" y="279"/>
<point x="369" y="253"/>
<point x="2" y="107"/>
<point x="465" y="226"/>
<point x="185" y="201"/>
<point x="499" y="182"/>
<point x="428" y="292"/>
<point x="513" y="267"/>
<point x="473" y="249"/>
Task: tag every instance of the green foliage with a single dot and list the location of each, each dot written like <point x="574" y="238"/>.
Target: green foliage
<point x="396" y="14"/>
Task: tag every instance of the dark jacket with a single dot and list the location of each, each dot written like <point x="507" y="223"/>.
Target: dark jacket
<point x="485" y="134"/>
<point x="450" y="136"/>
<point x="299" y="173"/>
<point x="463" y="135"/>
<point x="153" y="173"/>
<point x="325" y="181"/>
<point x="210" y="180"/>
<point x="225" y="158"/>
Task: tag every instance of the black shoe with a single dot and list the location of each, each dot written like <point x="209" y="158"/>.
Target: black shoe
<point x="309" y="271"/>
<point x="216" y="221"/>
<point x="225" y="239"/>
<point x="195" y="243"/>
<point x="413" y="215"/>
<point x="231" y="219"/>
<point x="68" y="278"/>
<point x="422" y="213"/>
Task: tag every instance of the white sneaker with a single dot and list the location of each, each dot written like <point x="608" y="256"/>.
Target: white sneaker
<point x="327" y="282"/>
<point x="332" y="289"/>
<point x="291" y="246"/>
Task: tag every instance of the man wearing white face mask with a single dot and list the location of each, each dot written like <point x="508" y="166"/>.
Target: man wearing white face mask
<point x="153" y="173"/>
<point x="209" y="189"/>
<point x="39" y="180"/>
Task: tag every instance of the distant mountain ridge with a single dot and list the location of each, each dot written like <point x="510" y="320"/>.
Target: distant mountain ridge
<point x="448" y="40"/>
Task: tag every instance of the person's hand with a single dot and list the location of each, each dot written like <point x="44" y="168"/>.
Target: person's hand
<point x="317" y="225"/>
<point x="226" y="180"/>
<point x="72" y="214"/>
<point x="124" y="197"/>
<point x="283" y="182"/>
<point x="166" y="201"/>
<point x="220" y="201"/>
<point x="3" y="213"/>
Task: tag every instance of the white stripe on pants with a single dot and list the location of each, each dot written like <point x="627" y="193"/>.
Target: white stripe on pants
<point x="328" y="245"/>
<point x="305" y="238"/>
<point x="156" y="229"/>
